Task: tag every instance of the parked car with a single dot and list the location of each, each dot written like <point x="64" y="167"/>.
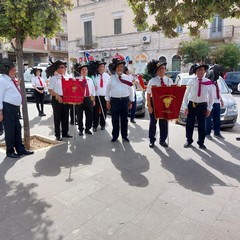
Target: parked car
<point x="232" y="79"/>
<point x="140" y="106"/>
<point x="172" y="75"/>
<point x="29" y="87"/>
<point x="229" y="111"/>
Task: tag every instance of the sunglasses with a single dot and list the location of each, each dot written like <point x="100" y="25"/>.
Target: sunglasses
<point x="61" y="67"/>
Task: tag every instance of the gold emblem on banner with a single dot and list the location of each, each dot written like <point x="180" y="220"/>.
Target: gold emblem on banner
<point x="167" y="101"/>
<point x="74" y="89"/>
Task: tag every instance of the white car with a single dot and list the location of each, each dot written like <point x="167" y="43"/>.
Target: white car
<point x="29" y="87"/>
<point x="229" y="112"/>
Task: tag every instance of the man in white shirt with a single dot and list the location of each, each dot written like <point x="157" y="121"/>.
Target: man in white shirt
<point x="119" y="98"/>
<point x="99" y="110"/>
<point x="157" y="70"/>
<point x="88" y="102"/>
<point x="10" y="101"/>
<point x="198" y="101"/>
<point x="60" y="111"/>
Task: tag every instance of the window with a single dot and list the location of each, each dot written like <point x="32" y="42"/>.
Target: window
<point x="216" y="25"/>
<point x="88" y="33"/>
<point x="117" y="26"/>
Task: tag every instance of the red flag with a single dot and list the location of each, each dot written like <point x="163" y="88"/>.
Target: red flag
<point x="167" y="101"/>
<point x="141" y="82"/>
<point x="73" y="91"/>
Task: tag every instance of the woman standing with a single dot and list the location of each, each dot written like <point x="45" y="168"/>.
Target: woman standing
<point x="38" y="83"/>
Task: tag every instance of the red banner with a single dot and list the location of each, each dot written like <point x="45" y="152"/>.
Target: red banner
<point x="73" y="91"/>
<point x="167" y="101"/>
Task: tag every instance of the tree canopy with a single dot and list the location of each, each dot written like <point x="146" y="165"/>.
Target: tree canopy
<point x="227" y="55"/>
<point x="194" y="51"/>
<point x="27" y="18"/>
<point x="169" y="14"/>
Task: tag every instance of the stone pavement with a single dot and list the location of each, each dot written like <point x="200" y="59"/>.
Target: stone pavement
<point x="92" y="189"/>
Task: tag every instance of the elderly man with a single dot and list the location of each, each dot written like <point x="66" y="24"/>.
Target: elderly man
<point x="10" y="101"/>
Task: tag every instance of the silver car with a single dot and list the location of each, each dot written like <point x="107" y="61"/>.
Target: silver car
<point x="229" y="112"/>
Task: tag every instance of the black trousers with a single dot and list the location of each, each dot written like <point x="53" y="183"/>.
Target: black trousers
<point x="60" y="117"/>
<point x="71" y="114"/>
<point x="87" y="107"/>
<point x="198" y="112"/>
<point x="119" y="112"/>
<point x="13" y="129"/>
<point x="39" y="97"/>
<point x="1" y="126"/>
<point x="97" y="112"/>
<point x="163" y="127"/>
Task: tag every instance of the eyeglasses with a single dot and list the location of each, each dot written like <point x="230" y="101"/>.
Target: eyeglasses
<point x="61" y="67"/>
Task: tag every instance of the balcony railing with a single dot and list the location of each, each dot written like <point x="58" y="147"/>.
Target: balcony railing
<point x="59" y="48"/>
<point x="217" y="33"/>
<point x="82" y="42"/>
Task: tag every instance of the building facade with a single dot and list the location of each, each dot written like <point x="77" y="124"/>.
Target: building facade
<point x="105" y="27"/>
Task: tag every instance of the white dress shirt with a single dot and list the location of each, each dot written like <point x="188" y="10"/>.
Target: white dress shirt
<point x="90" y="85"/>
<point x="157" y="82"/>
<point x="55" y="83"/>
<point x="191" y="94"/>
<point x="9" y="92"/>
<point x="117" y="89"/>
<point x="36" y="82"/>
<point x="101" y="91"/>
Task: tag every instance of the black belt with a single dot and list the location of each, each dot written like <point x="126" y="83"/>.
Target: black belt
<point x="40" y="88"/>
<point x="194" y="104"/>
<point x="10" y="105"/>
<point x="120" y="98"/>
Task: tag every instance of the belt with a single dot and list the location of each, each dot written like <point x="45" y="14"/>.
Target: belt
<point x="120" y="98"/>
<point x="195" y="104"/>
<point x="40" y="88"/>
<point x="10" y="105"/>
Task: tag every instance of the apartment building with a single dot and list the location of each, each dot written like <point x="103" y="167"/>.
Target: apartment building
<point x="105" y="27"/>
<point x="37" y="51"/>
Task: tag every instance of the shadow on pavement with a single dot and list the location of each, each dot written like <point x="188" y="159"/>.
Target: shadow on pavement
<point x="188" y="173"/>
<point x="20" y="209"/>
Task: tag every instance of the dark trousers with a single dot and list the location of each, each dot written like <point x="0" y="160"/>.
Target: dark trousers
<point x="215" y="118"/>
<point x="133" y="109"/>
<point x="198" y="112"/>
<point x="12" y="127"/>
<point x="1" y="126"/>
<point x="163" y="127"/>
<point x="39" y="97"/>
<point x="97" y="112"/>
<point x="72" y="113"/>
<point x="60" y="117"/>
<point x="119" y="111"/>
<point x="87" y="107"/>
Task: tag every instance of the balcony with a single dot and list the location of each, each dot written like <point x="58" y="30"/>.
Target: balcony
<point x="54" y="48"/>
<point x="215" y="34"/>
<point x="86" y="43"/>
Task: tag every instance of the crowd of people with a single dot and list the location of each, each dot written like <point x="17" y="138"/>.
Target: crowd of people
<point x="103" y="92"/>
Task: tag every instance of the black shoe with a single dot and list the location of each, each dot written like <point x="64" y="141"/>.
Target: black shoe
<point x="151" y="145"/>
<point x="102" y="127"/>
<point x="125" y="139"/>
<point x="80" y="133"/>
<point x="132" y="121"/>
<point x="67" y="136"/>
<point x="114" y="140"/>
<point x="187" y="145"/>
<point x="202" y="146"/>
<point x="13" y="155"/>
<point x="94" y="129"/>
<point x="238" y="138"/>
<point x="88" y="132"/>
<point x="58" y="138"/>
<point x="27" y="152"/>
<point x="164" y="144"/>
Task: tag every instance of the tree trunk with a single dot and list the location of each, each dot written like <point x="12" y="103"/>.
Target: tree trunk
<point x="20" y="69"/>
